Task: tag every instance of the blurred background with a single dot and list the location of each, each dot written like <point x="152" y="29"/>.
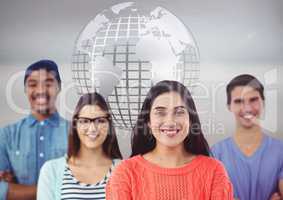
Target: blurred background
<point x="233" y="37"/>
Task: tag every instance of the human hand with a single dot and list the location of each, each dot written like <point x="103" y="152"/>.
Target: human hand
<point x="7" y="176"/>
<point x="275" y="196"/>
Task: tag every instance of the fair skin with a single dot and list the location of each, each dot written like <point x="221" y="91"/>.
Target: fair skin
<point x="41" y="89"/>
<point x="247" y="107"/>
<point x="91" y="164"/>
<point x="169" y="123"/>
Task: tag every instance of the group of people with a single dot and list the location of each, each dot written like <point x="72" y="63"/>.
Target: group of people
<point x="45" y="157"/>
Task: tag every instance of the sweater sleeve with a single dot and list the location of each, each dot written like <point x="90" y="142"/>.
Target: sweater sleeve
<point x="222" y="188"/>
<point x="46" y="182"/>
<point x="119" y="186"/>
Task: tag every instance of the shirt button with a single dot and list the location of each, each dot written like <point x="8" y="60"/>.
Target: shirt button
<point x="17" y="153"/>
<point x="41" y="138"/>
<point x="41" y="155"/>
<point x="42" y="123"/>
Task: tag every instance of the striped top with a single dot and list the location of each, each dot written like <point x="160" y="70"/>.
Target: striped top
<point x="74" y="189"/>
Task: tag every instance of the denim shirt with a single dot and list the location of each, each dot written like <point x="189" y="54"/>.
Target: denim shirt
<point x="27" y="144"/>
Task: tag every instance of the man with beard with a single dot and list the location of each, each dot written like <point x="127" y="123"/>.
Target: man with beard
<point x="41" y="136"/>
<point x="253" y="159"/>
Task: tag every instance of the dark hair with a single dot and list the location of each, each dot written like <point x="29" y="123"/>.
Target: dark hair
<point x="110" y="145"/>
<point x="244" y="80"/>
<point x="143" y="142"/>
<point x="48" y="65"/>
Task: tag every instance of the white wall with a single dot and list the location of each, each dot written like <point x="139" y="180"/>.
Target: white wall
<point x="210" y="98"/>
<point x="234" y="37"/>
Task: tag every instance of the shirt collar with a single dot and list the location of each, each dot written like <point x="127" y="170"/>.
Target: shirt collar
<point x="53" y="119"/>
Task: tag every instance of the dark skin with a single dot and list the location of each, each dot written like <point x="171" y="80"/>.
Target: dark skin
<point x="28" y="192"/>
<point x="7" y="176"/>
<point x="44" y="84"/>
<point x="23" y="191"/>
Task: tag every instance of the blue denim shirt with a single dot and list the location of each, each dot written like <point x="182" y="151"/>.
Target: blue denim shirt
<point x="27" y="144"/>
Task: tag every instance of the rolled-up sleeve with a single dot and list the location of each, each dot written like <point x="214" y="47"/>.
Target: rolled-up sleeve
<point x="3" y="190"/>
<point x="4" y="163"/>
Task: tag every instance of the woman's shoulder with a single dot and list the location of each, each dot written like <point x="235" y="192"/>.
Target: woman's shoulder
<point x="124" y="169"/>
<point x="57" y="161"/>
<point x="130" y="161"/>
<point x="129" y="164"/>
<point x="54" y="164"/>
<point x="209" y="162"/>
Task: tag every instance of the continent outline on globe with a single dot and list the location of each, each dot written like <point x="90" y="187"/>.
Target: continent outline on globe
<point x="124" y="50"/>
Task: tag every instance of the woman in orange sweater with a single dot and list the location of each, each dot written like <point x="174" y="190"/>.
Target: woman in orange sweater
<point x="170" y="156"/>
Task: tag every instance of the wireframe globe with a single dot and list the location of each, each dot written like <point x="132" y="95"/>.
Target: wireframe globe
<point x="126" y="49"/>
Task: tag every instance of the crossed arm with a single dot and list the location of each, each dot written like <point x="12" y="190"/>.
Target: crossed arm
<point x="278" y="195"/>
<point x="17" y="191"/>
<point x="281" y="187"/>
<point x="21" y="192"/>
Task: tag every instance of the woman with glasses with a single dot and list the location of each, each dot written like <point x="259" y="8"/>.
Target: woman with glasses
<point x="93" y="152"/>
<point x="170" y="156"/>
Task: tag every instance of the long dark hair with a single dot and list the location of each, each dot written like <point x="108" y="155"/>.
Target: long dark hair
<point x="143" y="141"/>
<point x="110" y="145"/>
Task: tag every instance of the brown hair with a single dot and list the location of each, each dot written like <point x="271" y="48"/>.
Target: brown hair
<point x="244" y="80"/>
<point x="110" y="145"/>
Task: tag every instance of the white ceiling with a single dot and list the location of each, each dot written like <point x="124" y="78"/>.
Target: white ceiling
<point x="227" y="31"/>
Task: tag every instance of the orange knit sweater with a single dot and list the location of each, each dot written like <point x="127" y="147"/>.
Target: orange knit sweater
<point x="203" y="178"/>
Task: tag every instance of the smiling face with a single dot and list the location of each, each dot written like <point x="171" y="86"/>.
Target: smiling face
<point x="246" y="105"/>
<point x="92" y="126"/>
<point x="169" y="120"/>
<point x="42" y="89"/>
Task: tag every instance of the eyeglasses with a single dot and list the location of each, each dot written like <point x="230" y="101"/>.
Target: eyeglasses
<point x="84" y="122"/>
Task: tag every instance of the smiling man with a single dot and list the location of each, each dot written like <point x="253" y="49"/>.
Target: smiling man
<point x="28" y="143"/>
<point x="253" y="159"/>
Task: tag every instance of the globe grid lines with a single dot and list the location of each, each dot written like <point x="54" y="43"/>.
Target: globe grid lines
<point x="116" y="41"/>
<point x="127" y="121"/>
